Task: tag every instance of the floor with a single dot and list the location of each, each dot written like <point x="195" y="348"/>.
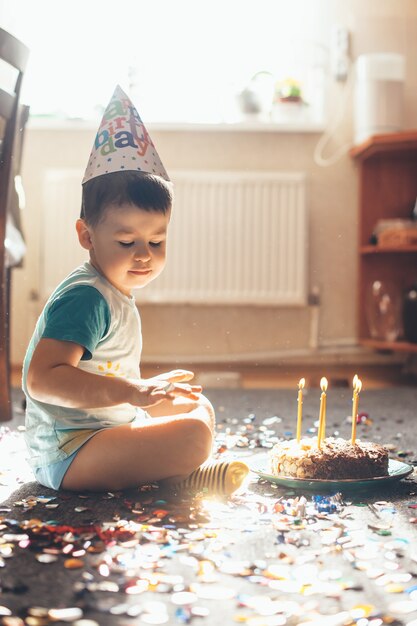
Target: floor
<point x="287" y="377"/>
<point x="267" y="556"/>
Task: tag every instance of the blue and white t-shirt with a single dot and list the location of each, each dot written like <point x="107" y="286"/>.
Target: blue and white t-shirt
<point x="87" y="310"/>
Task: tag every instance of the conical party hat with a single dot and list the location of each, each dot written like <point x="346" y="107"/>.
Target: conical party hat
<point x="122" y="142"/>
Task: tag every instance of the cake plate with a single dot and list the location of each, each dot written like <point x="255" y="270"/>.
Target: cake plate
<point x="396" y="471"/>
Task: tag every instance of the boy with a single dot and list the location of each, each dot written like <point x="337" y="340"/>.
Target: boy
<point x="86" y="427"/>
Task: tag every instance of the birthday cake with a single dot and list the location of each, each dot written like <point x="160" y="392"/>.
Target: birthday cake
<point x="336" y="459"/>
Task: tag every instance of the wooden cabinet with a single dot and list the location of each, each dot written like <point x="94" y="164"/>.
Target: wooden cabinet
<point x="387" y="167"/>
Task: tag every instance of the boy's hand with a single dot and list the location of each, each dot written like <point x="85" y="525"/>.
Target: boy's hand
<point x="154" y="390"/>
<point x="174" y="376"/>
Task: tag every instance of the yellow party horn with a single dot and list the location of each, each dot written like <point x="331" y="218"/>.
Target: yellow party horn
<point x="214" y="477"/>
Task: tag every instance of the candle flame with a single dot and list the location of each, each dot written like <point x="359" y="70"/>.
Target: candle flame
<point x="355" y="381"/>
<point x="323" y="384"/>
<point x="301" y="383"/>
<point x="358" y="385"/>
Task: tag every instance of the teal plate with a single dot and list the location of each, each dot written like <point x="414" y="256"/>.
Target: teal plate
<point x="396" y="471"/>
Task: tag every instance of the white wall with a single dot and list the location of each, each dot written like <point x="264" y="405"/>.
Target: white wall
<point x="188" y="333"/>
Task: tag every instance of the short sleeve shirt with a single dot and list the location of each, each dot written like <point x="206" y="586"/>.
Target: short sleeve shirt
<point x="87" y="310"/>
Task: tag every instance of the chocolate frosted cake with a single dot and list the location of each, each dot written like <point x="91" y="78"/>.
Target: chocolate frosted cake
<point x="336" y="459"/>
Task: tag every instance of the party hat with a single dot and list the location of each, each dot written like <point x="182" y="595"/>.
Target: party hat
<point x="122" y="142"/>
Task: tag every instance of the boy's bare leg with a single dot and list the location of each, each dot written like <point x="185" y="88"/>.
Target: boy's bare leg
<point x="179" y="405"/>
<point x="166" y="447"/>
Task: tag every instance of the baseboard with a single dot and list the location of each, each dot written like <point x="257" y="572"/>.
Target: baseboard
<point x="341" y="354"/>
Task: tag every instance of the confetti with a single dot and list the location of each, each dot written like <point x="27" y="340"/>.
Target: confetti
<point x="267" y="556"/>
<point x="73" y="563"/>
<point x="65" y="615"/>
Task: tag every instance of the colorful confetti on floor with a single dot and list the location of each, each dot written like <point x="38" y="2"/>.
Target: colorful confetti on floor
<point x="264" y="557"/>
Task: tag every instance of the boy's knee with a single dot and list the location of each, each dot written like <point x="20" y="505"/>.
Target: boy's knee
<point x="198" y="442"/>
<point x="205" y="404"/>
<point x="203" y="401"/>
<point x="201" y="409"/>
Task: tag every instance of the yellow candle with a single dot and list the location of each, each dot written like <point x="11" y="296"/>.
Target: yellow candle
<point x="323" y="419"/>
<point x="322" y="415"/>
<point x="357" y="386"/>
<point x="300" y="407"/>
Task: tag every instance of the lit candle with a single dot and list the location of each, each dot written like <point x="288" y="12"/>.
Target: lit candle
<point x="300" y="407"/>
<point x="322" y="415"/>
<point x="357" y="386"/>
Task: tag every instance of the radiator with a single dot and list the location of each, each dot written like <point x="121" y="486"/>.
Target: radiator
<point x="60" y="249"/>
<point x="234" y="238"/>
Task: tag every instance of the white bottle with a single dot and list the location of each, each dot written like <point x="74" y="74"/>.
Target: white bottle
<point x="379" y="95"/>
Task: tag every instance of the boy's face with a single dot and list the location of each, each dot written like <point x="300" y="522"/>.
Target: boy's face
<point x="128" y="246"/>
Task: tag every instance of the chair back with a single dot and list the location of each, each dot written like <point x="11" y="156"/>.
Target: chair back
<point x="13" y="59"/>
<point x="13" y="56"/>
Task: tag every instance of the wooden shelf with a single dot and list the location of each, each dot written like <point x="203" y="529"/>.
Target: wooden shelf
<point x="387" y="167"/>
<point x="370" y="249"/>
<point x="389" y="346"/>
<point x="393" y="143"/>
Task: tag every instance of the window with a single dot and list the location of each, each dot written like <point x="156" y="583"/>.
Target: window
<point x="180" y="60"/>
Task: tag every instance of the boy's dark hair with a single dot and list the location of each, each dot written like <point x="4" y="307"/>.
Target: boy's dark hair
<point x="146" y="191"/>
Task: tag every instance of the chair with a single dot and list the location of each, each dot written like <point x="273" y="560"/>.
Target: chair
<point x="13" y="58"/>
